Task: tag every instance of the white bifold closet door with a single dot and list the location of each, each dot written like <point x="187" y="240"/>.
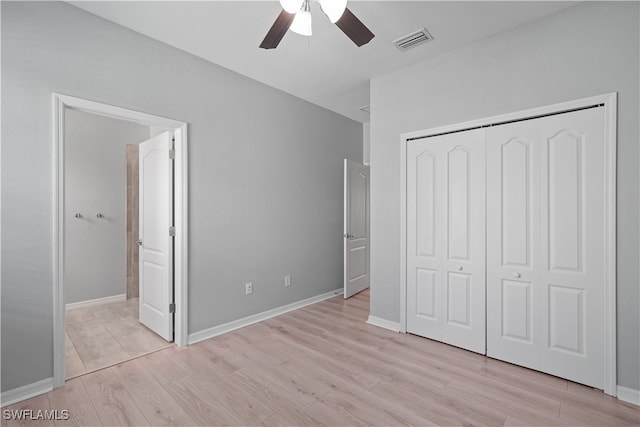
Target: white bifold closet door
<point x="446" y="238"/>
<point x="545" y="239"/>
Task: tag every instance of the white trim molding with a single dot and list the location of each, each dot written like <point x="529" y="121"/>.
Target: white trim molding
<point x="384" y="323"/>
<point x="609" y="103"/>
<point x="94" y="302"/>
<point x="259" y="317"/>
<point x="25" y="392"/>
<point x="629" y="395"/>
<point x="403" y="234"/>
<point x="60" y="104"/>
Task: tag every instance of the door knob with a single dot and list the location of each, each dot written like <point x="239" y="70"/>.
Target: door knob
<point x="459" y="268"/>
<point x="98" y="215"/>
<point x="77" y="215"/>
<point x="139" y="242"/>
<point x="516" y="275"/>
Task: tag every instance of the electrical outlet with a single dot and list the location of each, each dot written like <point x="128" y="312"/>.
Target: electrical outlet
<point x="287" y="281"/>
<point x="248" y="288"/>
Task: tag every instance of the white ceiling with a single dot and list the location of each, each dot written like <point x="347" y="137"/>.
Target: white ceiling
<point x="326" y="69"/>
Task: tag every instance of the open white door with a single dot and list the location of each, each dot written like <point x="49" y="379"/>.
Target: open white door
<point x="356" y="228"/>
<point x="156" y="230"/>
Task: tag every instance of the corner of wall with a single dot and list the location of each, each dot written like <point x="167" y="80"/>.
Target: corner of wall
<point x="366" y="143"/>
<point x="628" y="395"/>
<point x="25" y="392"/>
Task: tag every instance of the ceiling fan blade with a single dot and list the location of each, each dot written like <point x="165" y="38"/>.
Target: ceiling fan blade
<point x="277" y="30"/>
<point x="354" y="28"/>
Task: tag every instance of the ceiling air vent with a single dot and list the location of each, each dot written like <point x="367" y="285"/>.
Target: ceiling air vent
<point x="414" y="39"/>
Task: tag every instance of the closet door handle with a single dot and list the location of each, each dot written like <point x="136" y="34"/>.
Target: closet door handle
<point x="516" y="275"/>
<point x="459" y="268"/>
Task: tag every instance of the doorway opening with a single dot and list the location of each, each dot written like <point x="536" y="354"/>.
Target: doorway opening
<point x="96" y="326"/>
<point x="356" y="243"/>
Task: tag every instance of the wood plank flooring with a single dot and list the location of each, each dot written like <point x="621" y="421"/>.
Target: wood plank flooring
<point x="323" y="365"/>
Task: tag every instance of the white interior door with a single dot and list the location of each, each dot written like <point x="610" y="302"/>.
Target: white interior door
<point x="572" y="221"/>
<point x="156" y="242"/>
<point x="356" y="228"/>
<point x="545" y="228"/>
<point x="514" y="294"/>
<point x="446" y="238"/>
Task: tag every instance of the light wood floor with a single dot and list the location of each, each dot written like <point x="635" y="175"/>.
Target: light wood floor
<point x="323" y="365"/>
<point x="105" y="335"/>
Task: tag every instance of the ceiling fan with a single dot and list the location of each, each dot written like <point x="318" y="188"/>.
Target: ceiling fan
<point x="296" y="16"/>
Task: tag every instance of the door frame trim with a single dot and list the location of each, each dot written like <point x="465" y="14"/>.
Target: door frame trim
<point x="60" y="104"/>
<point x="609" y="102"/>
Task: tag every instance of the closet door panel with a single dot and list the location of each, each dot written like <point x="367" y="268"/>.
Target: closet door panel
<point x="458" y="299"/>
<point x="513" y="290"/>
<point x="464" y="240"/>
<point x="459" y="206"/>
<point x="445" y="239"/>
<point x="516" y="306"/>
<point x="424" y="246"/>
<point x="565" y="180"/>
<point x="426" y="294"/>
<point x="426" y="204"/>
<point x="516" y="185"/>
<point x="572" y="241"/>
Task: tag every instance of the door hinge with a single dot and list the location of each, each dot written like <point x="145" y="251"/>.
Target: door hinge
<point x="172" y="154"/>
<point x="172" y="231"/>
<point x="172" y="308"/>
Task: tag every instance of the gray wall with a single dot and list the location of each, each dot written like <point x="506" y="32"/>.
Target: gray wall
<point x="586" y="50"/>
<point x="265" y="195"/>
<point x="366" y="143"/>
<point x="95" y="181"/>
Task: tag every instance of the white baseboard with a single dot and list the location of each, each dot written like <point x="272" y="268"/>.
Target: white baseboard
<point x="383" y="323"/>
<point x="628" y="395"/>
<point x="255" y="318"/>
<point x="25" y="392"/>
<point x="97" y="301"/>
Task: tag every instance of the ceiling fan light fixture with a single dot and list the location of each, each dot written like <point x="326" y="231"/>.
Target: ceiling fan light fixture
<point x="333" y="9"/>
<point x="291" y="6"/>
<point x="302" y="23"/>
